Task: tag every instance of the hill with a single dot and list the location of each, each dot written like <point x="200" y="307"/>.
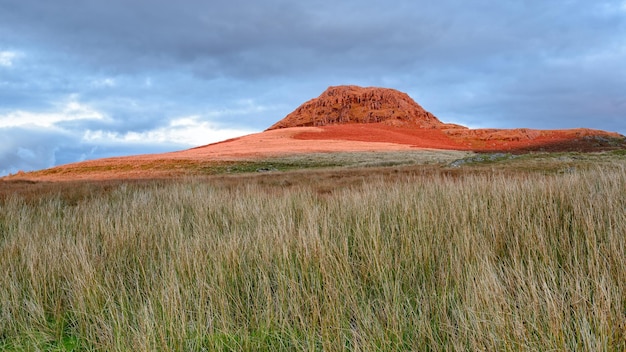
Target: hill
<point x="386" y="115"/>
<point x="356" y="105"/>
<point x="343" y="119"/>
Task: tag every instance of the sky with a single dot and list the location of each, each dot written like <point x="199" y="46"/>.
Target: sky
<point x="86" y="79"/>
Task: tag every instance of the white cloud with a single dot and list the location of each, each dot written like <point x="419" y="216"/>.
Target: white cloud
<point x="105" y="82"/>
<point x="70" y="111"/>
<point x="189" y="130"/>
<point x="33" y="141"/>
<point x="7" y="57"/>
<point x="611" y="7"/>
<point x="30" y="148"/>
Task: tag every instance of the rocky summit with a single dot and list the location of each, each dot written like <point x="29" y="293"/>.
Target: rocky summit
<point x="352" y="104"/>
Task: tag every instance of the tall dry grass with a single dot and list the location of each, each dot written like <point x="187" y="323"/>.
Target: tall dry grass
<point x="471" y="262"/>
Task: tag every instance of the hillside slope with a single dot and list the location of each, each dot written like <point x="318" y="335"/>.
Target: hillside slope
<point x="341" y="119"/>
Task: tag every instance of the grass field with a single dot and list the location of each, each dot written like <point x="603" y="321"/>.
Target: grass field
<point x="524" y="253"/>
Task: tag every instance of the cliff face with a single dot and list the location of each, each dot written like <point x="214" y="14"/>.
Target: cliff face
<point x="352" y="104"/>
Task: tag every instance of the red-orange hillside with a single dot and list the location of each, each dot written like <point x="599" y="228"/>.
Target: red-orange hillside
<point x="387" y="115"/>
<point x="342" y="119"/>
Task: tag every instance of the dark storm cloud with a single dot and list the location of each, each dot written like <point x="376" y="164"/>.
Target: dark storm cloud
<point x="121" y="35"/>
<point x="246" y="64"/>
<point x="248" y="39"/>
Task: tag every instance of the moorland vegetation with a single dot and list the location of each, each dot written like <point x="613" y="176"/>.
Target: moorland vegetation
<point x="511" y="254"/>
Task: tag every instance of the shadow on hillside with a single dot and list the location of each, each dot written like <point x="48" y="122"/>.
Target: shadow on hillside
<point x="588" y="144"/>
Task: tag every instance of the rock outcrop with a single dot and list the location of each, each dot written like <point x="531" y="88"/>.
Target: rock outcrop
<point x="390" y="116"/>
<point x="352" y="104"/>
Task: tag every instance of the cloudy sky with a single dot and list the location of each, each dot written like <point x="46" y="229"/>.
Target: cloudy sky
<point x="84" y="79"/>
